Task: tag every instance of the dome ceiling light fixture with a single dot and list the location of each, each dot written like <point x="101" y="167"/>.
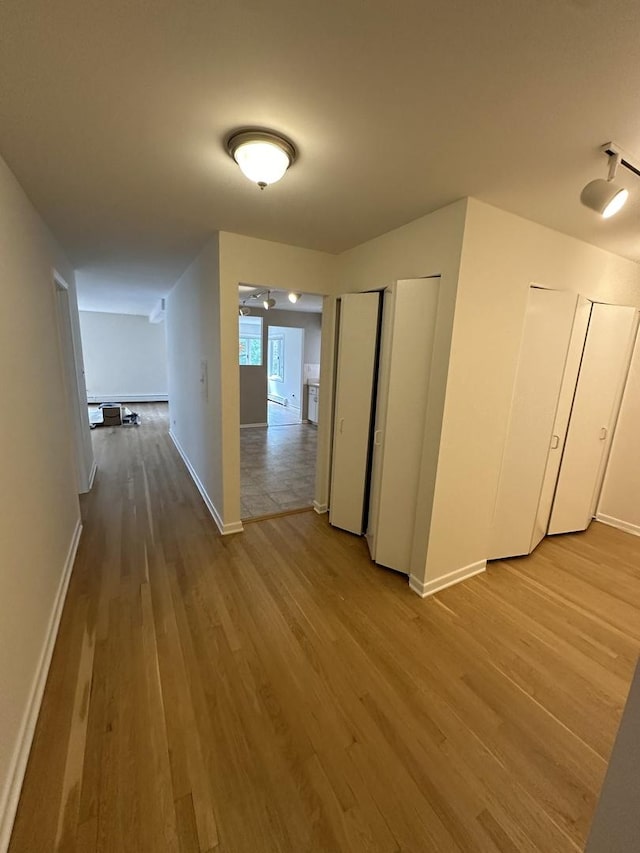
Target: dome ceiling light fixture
<point x="263" y="155"/>
<point x="293" y="296"/>
<point x="608" y="197"/>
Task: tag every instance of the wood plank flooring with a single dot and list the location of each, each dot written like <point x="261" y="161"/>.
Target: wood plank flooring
<point x="274" y="692"/>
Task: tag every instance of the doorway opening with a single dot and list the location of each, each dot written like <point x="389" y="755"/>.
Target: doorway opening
<point x="279" y="357"/>
<point x="285" y="375"/>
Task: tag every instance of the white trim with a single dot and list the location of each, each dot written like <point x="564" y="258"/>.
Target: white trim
<point x="225" y="529"/>
<point x="320" y="508"/>
<point x="426" y="588"/>
<point x="617" y="522"/>
<point x="11" y="794"/>
<point x="245" y="426"/>
<point x="127" y="398"/>
<point x="92" y="475"/>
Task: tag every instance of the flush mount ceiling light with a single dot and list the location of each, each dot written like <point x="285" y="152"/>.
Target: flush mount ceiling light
<point x="608" y="197"/>
<point x="263" y="156"/>
<point x="293" y="297"/>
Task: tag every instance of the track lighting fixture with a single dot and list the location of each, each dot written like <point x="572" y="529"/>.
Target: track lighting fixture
<point x="244" y="310"/>
<point x="608" y="197"/>
<point x="262" y="155"/>
<point x="269" y="302"/>
<point x="293" y="297"/>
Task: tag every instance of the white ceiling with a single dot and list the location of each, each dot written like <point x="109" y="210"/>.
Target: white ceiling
<point x="112" y="116"/>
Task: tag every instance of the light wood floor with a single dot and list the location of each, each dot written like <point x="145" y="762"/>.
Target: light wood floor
<point x="274" y="691"/>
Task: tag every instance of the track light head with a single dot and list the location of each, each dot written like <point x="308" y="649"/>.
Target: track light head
<point x="293" y="297"/>
<point x="269" y="302"/>
<point x="605" y="197"/>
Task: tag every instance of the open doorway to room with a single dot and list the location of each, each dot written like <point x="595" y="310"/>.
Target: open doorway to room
<point x="285" y="375"/>
<point x="279" y="356"/>
<point x="125" y="359"/>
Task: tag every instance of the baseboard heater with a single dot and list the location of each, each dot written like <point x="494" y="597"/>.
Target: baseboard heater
<point x="276" y="398"/>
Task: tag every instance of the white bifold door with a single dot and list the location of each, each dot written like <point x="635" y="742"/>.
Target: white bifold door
<point x="406" y="354"/>
<point x="356" y="366"/>
<point x="605" y="362"/>
<point x="550" y="351"/>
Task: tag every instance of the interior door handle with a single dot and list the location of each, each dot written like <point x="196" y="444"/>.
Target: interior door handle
<point x="377" y="437"/>
<point x="555" y="442"/>
<point x="603" y="433"/>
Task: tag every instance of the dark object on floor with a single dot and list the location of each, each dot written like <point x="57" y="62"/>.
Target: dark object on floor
<point x="111" y="414"/>
<point x="130" y="418"/>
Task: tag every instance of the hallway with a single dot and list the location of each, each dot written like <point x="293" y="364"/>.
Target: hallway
<point x="274" y="691"/>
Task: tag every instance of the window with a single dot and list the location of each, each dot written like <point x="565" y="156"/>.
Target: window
<point x="250" y="336"/>
<point x="276" y="358"/>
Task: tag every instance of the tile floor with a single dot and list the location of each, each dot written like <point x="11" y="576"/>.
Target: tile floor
<point x="277" y="468"/>
<point x="278" y="415"/>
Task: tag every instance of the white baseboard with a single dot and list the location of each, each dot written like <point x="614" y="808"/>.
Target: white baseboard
<point x="225" y="529"/>
<point x="245" y="426"/>
<point x="617" y="522"/>
<point x="127" y="398"/>
<point x="425" y="588"/>
<point x="10" y="796"/>
<point x="92" y="475"/>
<point x="320" y="508"/>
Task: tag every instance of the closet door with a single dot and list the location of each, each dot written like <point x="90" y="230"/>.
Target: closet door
<point x="409" y="323"/>
<point x="563" y="413"/>
<point x="620" y="499"/>
<point x="602" y="375"/>
<point x="355" y="373"/>
<point x="545" y="342"/>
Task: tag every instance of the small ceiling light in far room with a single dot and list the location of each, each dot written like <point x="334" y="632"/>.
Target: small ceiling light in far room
<point x="607" y="197"/>
<point x="293" y="297"/>
<point x="263" y="156"/>
<point x="269" y="302"/>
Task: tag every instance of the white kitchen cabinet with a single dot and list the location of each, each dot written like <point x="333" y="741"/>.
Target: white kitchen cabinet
<point x="603" y="372"/>
<point x="355" y="373"/>
<point x="312" y="403"/>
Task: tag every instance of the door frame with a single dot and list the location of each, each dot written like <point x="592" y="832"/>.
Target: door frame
<point x="72" y="372"/>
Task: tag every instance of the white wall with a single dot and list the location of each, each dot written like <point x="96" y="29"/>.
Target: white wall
<point x="195" y="373"/>
<point x="310" y="321"/>
<point x="502" y="255"/>
<point x="39" y="511"/>
<point x="125" y="357"/>
<point x="429" y="246"/>
<point x="620" y="499"/>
